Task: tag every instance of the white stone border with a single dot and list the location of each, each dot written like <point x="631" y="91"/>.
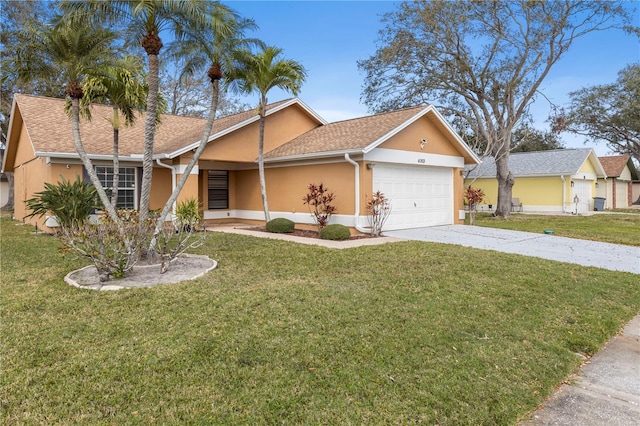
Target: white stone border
<point x="107" y="287"/>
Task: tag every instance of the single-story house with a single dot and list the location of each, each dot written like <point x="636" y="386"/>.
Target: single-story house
<point x="412" y="155"/>
<point x="617" y="187"/>
<point x="4" y="190"/>
<point x="554" y="181"/>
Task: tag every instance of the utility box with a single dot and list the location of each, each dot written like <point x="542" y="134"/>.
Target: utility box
<point x="598" y="203"/>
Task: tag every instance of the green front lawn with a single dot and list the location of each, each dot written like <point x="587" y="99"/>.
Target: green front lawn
<point x="401" y="333"/>
<point x="611" y="228"/>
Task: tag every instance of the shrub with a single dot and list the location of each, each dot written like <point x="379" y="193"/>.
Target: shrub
<point x="378" y="211"/>
<point x="70" y="202"/>
<point x="473" y="197"/>
<point x="335" y="232"/>
<point x="187" y="214"/>
<point x="280" y="225"/>
<point x="102" y="243"/>
<point x="319" y="200"/>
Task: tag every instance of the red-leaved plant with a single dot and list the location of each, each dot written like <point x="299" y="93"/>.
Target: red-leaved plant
<point x="319" y="200"/>
<point x="473" y="197"/>
<point x="378" y="210"/>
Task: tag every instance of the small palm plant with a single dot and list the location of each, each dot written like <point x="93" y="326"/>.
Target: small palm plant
<point x="70" y="202"/>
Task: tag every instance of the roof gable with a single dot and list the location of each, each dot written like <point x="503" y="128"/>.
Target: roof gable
<point x="49" y="128"/>
<point x="614" y="165"/>
<point x="246" y="118"/>
<point x="359" y="135"/>
<point x="559" y="162"/>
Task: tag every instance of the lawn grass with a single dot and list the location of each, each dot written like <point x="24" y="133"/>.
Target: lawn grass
<point x="616" y="228"/>
<point x="401" y="333"/>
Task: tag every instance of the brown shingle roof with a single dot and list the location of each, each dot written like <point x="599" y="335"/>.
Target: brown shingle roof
<point x="347" y="135"/>
<point x="50" y="128"/>
<point x="614" y="165"/>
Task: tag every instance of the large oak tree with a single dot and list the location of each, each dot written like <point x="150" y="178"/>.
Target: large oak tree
<point x="482" y="61"/>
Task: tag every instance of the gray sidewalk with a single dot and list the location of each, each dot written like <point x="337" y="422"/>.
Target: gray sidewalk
<point x="582" y="252"/>
<point x="605" y="392"/>
<point x="607" y="389"/>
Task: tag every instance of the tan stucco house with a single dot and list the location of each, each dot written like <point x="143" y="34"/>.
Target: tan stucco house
<point x="554" y="181"/>
<point x="617" y="187"/>
<point x="412" y="155"/>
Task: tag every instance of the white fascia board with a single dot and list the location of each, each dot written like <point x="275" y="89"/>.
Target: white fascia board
<point x="455" y="134"/>
<point x="314" y="155"/>
<point x="305" y="107"/>
<point x="599" y="168"/>
<point x="584" y="176"/>
<point x="242" y="124"/>
<point x="384" y="155"/>
<point x="552" y="175"/>
<point x="75" y="156"/>
<point x="180" y="168"/>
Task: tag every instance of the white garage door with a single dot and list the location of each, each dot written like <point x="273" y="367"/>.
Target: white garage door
<point x="420" y="195"/>
<point x="581" y="189"/>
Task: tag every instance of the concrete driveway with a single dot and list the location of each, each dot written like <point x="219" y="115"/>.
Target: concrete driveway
<point x="581" y="252"/>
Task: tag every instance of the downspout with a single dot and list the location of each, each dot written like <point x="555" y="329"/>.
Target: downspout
<point x="564" y="192"/>
<point x="357" y="195"/>
<point x="173" y="178"/>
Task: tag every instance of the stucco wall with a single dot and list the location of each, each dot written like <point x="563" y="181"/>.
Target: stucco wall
<point x="409" y="139"/>
<point x="242" y="144"/>
<point x="286" y="186"/>
<point x="542" y="194"/>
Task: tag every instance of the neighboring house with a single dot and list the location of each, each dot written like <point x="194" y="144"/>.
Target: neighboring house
<point x="555" y="181"/>
<point x="617" y="186"/>
<point x="412" y="155"/>
<point x="4" y="190"/>
<point x="4" y="180"/>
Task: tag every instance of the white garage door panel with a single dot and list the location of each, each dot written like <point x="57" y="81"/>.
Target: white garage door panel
<point x="420" y="195"/>
<point x="582" y="188"/>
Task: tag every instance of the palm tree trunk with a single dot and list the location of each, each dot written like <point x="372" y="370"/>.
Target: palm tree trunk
<point x="116" y="158"/>
<point x="263" y="183"/>
<point x="75" y="128"/>
<point x="149" y="133"/>
<point x="203" y="144"/>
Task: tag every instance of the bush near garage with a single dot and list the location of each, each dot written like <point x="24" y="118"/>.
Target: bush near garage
<point x="335" y="232"/>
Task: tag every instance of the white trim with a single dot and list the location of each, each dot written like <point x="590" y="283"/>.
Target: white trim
<point x="425" y="111"/>
<point x="301" y="218"/>
<point x="74" y="155"/>
<point x="584" y="176"/>
<point x="396" y="130"/>
<point x="325" y="154"/>
<point x="300" y="163"/>
<point x="180" y="168"/>
<point x="384" y="155"/>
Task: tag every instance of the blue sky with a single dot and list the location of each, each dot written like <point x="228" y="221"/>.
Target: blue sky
<point x="329" y="37"/>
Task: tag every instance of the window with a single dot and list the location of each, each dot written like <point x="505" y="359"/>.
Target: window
<point x="218" y="189"/>
<point x="126" y="185"/>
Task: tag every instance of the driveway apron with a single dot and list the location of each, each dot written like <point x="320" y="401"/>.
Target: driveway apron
<point x="581" y="252"/>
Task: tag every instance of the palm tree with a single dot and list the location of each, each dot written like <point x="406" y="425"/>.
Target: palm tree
<point x="260" y="73"/>
<point x="122" y="86"/>
<point x="145" y="21"/>
<point x="74" y="51"/>
<point x="217" y="47"/>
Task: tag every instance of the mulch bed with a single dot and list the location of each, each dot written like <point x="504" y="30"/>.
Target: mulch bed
<point x="312" y="234"/>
